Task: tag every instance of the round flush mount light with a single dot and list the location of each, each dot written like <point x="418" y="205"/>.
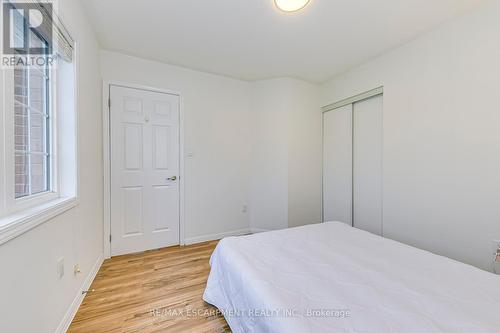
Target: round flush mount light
<point x="291" y="5"/>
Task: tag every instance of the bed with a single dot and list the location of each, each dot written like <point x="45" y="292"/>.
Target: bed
<point x="331" y="277"/>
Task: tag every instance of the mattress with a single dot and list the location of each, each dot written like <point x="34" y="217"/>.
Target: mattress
<point x="331" y="277"/>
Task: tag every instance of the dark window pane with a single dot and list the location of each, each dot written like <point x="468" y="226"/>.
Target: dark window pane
<point x="38" y="173"/>
<point x="37" y="132"/>
<point x="31" y="128"/>
<point x="20" y="86"/>
<point x="17" y="39"/>
<point x="20" y="128"/>
<point x="21" y="175"/>
<point x="36" y="87"/>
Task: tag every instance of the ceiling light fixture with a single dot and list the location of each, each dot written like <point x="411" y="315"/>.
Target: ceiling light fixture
<point x="291" y="5"/>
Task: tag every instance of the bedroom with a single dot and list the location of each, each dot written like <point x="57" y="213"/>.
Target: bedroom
<point x="241" y="121"/>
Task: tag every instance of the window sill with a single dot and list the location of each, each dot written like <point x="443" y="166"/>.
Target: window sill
<point x="14" y="225"/>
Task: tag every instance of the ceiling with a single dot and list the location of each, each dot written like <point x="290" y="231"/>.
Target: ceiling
<point x="252" y="40"/>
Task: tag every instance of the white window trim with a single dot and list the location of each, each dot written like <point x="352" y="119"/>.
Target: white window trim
<point x="13" y="205"/>
<point x="37" y="209"/>
<point x="17" y="224"/>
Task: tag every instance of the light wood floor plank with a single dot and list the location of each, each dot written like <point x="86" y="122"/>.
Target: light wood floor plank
<point x="151" y="292"/>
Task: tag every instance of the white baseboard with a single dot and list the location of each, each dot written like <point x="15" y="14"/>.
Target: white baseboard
<point x="207" y="238"/>
<point x="258" y="230"/>
<point x="77" y="301"/>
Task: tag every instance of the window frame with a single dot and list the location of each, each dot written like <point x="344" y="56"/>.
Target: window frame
<point x="9" y="203"/>
<point x="13" y="204"/>
<point x="18" y="216"/>
<point x="47" y="113"/>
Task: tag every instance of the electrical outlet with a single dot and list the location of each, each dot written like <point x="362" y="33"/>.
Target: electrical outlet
<point x="60" y="268"/>
<point x="244" y="209"/>
<point x="76" y="269"/>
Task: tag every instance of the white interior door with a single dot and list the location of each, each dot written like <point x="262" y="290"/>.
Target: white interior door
<point x="337" y="165"/>
<point x="144" y="170"/>
<point x="367" y="165"/>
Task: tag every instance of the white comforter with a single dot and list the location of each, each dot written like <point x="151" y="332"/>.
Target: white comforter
<point x="333" y="278"/>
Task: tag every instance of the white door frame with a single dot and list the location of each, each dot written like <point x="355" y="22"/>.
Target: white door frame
<point x="106" y="148"/>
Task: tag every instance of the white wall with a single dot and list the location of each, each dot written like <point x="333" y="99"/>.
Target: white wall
<point x="254" y="143"/>
<point x="269" y="156"/>
<point x="304" y="154"/>
<point x="441" y="135"/>
<point x="216" y="114"/>
<point x="285" y="154"/>
<point x="33" y="299"/>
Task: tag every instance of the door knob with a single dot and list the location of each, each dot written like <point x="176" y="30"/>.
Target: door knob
<point x="174" y="178"/>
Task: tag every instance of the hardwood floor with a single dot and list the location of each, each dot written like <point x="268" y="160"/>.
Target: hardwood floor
<point x="154" y="291"/>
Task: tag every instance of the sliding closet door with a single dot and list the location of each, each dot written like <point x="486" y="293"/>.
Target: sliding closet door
<point x="337" y="165"/>
<point x="367" y="165"/>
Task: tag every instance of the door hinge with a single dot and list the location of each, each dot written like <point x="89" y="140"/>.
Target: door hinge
<point x="110" y="238"/>
<point x="109" y="103"/>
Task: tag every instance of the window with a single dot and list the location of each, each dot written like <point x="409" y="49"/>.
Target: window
<point x="38" y="177"/>
<point x="32" y="127"/>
